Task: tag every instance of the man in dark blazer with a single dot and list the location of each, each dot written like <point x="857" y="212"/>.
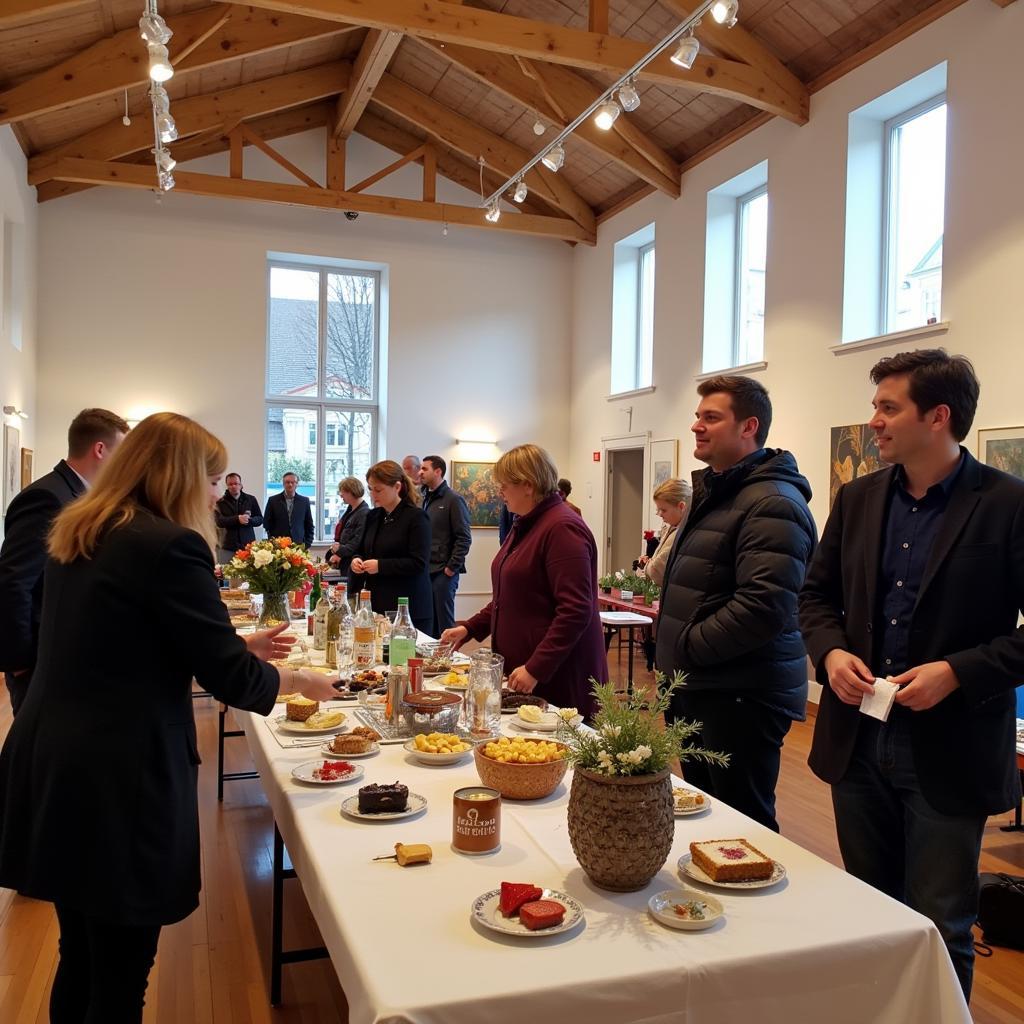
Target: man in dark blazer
<point x="288" y="514"/>
<point x="92" y="436"/>
<point x="450" y="539"/>
<point x="920" y="577"/>
<point x="237" y="514"/>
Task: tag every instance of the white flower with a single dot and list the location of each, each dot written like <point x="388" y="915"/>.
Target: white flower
<point x="619" y="574"/>
<point x="611" y="731"/>
<point x="262" y="558"/>
<point x="644" y="752"/>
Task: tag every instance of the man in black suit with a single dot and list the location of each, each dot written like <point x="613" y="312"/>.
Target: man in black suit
<point x="236" y="514"/>
<point x="450" y="539"/>
<point x="920" y="577"/>
<point x="288" y="514"/>
<point x="92" y="436"/>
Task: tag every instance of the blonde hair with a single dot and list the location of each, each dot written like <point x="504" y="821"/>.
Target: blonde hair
<point x="353" y="485"/>
<point x="163" y="465"/>
<point x="528" y="464"/>
<point x="673" y="491"/>
<point x="390" y="472"/>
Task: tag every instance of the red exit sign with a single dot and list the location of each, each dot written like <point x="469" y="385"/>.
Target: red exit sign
<point x="597" y="456"/>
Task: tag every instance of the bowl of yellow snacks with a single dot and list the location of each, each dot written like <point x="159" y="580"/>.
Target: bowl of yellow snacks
<point x="521" y="768"/>
<point x="438" y="748"/>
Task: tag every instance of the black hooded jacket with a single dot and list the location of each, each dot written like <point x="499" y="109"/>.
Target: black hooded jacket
<point x="728" y="610"/>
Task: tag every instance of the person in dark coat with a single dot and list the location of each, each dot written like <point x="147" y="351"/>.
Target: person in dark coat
<point x="92" y="437"/>
<point x="98" y="802"/>
<point x="348" y="530"/>
<point x="728" y="609"/>
<point x="450" y="539"/>
<point x="236" y="514"/>
<point x="920" y="577"/>
<point x="395" y="550"/>
<point x="543" y="615"/>
<point x="288" y="514"/>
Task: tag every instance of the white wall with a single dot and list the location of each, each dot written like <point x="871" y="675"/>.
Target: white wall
<point x="18" y="365"/>
<point x="812" y="389"/>
<point x="149" y="306"/>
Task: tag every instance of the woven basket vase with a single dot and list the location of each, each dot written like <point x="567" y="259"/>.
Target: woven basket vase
<point x="621" y="827"/>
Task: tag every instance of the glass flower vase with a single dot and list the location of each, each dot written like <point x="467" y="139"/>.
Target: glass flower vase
<point x="274" y="611"/>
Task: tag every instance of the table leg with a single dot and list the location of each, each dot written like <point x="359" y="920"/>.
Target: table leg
<point x="629" y="670"/>
<point x="1016" y="826"/>
<point x="223" y="776"/>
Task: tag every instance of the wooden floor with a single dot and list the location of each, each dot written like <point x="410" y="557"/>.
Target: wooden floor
<point x="213" y="967"/>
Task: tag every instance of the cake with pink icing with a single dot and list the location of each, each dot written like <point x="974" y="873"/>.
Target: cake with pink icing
<point x="731" y="860"/>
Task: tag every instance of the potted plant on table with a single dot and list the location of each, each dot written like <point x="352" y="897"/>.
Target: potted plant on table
<point x="621" y="813"/>
<point x="272" y="568"/>
<point x="606" y="582"/>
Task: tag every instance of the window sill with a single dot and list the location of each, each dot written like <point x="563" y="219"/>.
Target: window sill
<point x="927" y="331"/>
<point x="731" y="371"/>
<point x="630" y="394"/>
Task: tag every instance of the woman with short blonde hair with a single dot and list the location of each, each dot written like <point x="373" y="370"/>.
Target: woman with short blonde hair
<point x="348" y="530"/>
<point x="672" y="500"/>
<point x="528" y="464"/>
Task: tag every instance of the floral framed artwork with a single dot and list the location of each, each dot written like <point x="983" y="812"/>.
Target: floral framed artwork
<point x="12" y="464"/>
<point x="1002" y="448"/>
<point x="853" y="453"/>
<point x="475" y="482"/>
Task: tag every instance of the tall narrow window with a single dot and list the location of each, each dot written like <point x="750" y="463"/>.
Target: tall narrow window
<point x="915" y="190"/>
<point x="322" y="370"/>
<point x="632" y="363"/>
<point x="751" y="256"/>
<point x="645" y="318"/>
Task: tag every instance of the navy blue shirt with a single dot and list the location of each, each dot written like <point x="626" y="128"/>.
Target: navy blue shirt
<point x="910" y="531"/>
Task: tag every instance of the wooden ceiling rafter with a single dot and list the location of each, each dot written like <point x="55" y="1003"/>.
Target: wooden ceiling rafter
<point x="16" y="12"/>
<point x="138" y="176"/>
<point x="374" y="56"/>
<point x="504" y="33"/>
<point x="116" y="62"/>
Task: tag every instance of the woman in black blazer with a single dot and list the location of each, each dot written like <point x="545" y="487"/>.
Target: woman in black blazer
<point x="98" y="804"/>
<point x="348" y="531"/>
<point x="395" y="551"/>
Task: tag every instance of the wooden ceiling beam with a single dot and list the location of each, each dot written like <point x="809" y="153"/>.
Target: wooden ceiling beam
<point x="14" y="12"/>
<point x="125" y="175"/>
<point x="597" y="16"/>
<point x="213" y="111"/>
<point x="556" y="44"/>
<point x="471" y="140"/>
<point x="377" y="50"/>
<point x="559" y="97"/>
<point x="118" y="62"/>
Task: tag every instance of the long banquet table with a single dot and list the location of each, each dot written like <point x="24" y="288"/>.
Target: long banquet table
<point x="820" y="946"/>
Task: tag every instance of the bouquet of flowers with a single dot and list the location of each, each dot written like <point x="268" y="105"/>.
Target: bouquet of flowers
<point x="628" y="739"/>
<point x="271" y="566"/>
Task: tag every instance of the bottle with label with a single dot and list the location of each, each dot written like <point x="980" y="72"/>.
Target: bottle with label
<point x="364" y="631"/>
<point x="314" y="599"/>
<point x="320" y="614"/>
<point x="403" y="635"/>
<point x="333" y="628"/>
<point x="343" y="645"/>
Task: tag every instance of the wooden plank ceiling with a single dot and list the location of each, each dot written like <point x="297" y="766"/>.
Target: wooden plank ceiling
<point x="451" y="83"/>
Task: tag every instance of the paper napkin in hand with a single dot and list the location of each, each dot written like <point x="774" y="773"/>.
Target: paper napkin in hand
<point x="879" y="704"/>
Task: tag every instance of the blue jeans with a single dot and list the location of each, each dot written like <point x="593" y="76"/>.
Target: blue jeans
<point x="443" y="588"/>
<point x="893" y="839"/>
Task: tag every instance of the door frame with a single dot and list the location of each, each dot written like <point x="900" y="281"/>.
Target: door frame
<point x="614" y="443"/>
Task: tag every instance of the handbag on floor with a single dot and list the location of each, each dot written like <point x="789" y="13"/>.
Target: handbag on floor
<point x="1001" y="910"/>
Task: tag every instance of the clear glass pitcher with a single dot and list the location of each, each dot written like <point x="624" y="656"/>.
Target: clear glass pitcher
<point x="482" y="702"/>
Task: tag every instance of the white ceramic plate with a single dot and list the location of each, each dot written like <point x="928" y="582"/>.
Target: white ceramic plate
<point x="300" y="727"/>
<point x="662" y="908"/>
<point x="548" y="723"/>
<point x="325" y="749"/>
<point x="687" y="867"/>
<point x="304" y="773"/>
<point x="416" y="803"/>
<point x="438" y="759"/>
<point x="486" y="910"/>
<point x="686" y="812"/>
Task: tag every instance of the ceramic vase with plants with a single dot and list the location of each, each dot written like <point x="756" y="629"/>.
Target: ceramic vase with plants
<point x="621" y="814"/>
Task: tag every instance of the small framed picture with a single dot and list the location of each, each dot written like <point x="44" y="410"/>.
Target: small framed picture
<point x="1002" y="448"/>
<point x="12" y="464"/>
<point x="26" y="467"/>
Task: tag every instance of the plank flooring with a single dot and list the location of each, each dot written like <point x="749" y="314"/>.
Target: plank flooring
<point x="213" y="967"/>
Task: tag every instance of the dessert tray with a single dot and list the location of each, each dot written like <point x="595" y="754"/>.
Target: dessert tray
<point x="687" y="867"/>
<point x="684" y="812"/>
<point x="300" y="728"/>
<point x="400" y="733"/>
<point x="662" y="907"/>
<point x="416" y="804"/>
<point x="325" y="749"/>
<point x="486" y="911"/>
<point x="305" y="773"/>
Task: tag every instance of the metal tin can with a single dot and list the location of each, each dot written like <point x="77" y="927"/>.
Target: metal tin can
<point x="415" y="675"/>
<point x="476" y="820"/>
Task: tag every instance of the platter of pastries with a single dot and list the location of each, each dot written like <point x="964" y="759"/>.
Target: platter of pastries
<point x="358" y="742"/>
<point x="688" y="801"/>
<point x="304" y="716"/>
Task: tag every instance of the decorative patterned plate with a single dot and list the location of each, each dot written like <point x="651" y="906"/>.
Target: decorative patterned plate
<point x="687" y="867"/>
<point x="487" y="911"/>
<point x="416" y="804"/>
<point x="662" y="908"/>
<point x="301" y="728"/>
<point x="304" y="773"/>
<point x="683" y="812"/>
<point x="325" y="749"/>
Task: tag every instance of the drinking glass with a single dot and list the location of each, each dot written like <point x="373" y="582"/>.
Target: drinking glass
<point x="482" y="702"/>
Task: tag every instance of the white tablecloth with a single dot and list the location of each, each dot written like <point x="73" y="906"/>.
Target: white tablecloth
<point x="821" y="947"/>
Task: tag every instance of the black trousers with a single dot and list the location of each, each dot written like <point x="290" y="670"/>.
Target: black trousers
<point x="443" y="588"/>
<point x="103" y="970"/>
<point x="752" y="733"/>
<point x="17" y="688"/>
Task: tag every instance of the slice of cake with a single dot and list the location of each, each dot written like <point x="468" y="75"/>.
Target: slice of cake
<point x="731" y="860"/>
<point x="350" y="743"/>
<point x="380" y="797"/>
<point x="299" y="708"/>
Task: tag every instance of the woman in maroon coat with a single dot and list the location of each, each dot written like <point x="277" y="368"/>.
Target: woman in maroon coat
<point x="543" y="615"/>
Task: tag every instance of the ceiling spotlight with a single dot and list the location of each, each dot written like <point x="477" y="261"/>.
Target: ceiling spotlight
<point x="165" y="162"/>
<point x="166" y="181"/>
<point x="686" y="52"/>
<point x="154" y="29"/>
<point x="166" y="128"/>
<point x="606" y="114"/>
<point x="554" y="158"/>
<point x="725" y="12"/>
<point x="629" y="98"/>
<point x="161" y="101"/>
<point x="521" y="191"/>
<point x="539" y="128"/>
<point x="493" y="213"/>
<point x="160" y="68"/>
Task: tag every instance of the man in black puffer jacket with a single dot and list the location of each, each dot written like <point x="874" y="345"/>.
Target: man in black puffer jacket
<point x="728" y="615"/>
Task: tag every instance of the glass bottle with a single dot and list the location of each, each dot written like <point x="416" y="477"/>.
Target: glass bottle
<point x="333" y="628"/>
<point x="320" y="613"/>
<point x="343" y="646"/>
<point x="403" y="635"/>
<point x="364" y="630"/>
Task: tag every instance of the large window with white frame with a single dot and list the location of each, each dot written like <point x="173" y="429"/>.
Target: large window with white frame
<point x="633" y="277"/>
<point x="323" y="326"/>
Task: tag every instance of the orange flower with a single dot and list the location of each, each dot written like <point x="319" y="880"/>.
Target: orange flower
<point x="284" y="542"/>
<point x="310" y="571"/>
<point x="242" y="555"/>
<point x="296" y="559"/>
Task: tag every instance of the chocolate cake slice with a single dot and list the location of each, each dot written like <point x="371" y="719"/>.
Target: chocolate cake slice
<point x="378" y="798"/>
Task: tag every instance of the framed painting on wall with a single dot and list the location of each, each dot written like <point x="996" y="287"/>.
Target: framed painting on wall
<point x="26" y="467"/>
<point x="12" y="463"/>
<point x="853" y="453"/>
<point x="475" y="482"/>
<point x="1002" y="448"/>
<point x="664" y="460"/>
